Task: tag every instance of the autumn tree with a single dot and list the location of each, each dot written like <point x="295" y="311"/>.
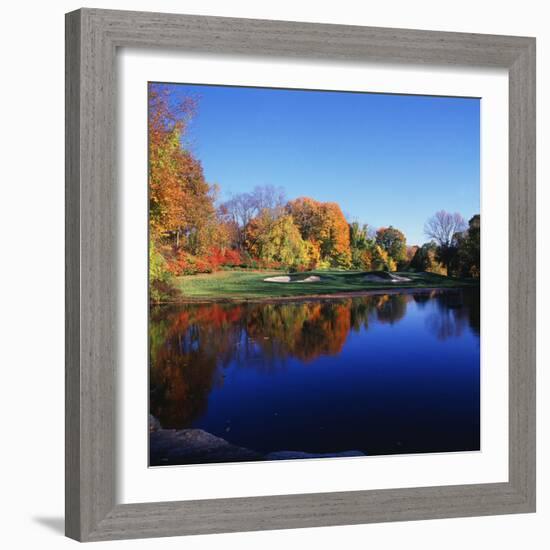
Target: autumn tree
<point x="334" y="235"/>
<point x="323" y="224"/>
<point x="277" y="239"/>
<point x="181" y="202"/>
<point x="362" y="244"/>
<point x="240" y="209"/>
<point x="381" y="260"/>
<point x="183" y="220"/>
<point x="306" y="214"/>
<point x="393" y="242"/>
<point x="166" y="192"/>
<point x="366" y="259"/>
<point x="426" y="259"/>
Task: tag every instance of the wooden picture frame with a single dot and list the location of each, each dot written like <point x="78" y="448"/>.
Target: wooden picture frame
<point x="92" y="39"/>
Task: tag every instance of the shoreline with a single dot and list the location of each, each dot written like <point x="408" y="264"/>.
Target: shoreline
<point x="312" y="297"/>
<point x="186" y="446"/>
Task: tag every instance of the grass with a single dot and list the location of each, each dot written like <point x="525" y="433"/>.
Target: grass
<point x="242" y="285"/>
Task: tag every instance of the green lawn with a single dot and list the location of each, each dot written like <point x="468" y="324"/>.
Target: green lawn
<point x="251" y="284"/>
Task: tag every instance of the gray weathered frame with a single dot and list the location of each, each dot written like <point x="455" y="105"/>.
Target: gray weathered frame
<point x="92" y="38"/>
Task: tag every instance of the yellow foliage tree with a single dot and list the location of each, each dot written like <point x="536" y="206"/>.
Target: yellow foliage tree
<point x="381" y="260"/>
<point x="279" y="240"/>
<point x="325" y="224"/>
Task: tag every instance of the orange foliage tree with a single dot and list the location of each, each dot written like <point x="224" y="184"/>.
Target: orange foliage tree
<point x="183" y="221"/>
<point x="324" y="225"/>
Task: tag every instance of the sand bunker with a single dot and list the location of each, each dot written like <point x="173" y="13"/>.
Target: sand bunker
<point x="310" y="279"/>
<point x="288" y="279"/>
<point x="389" y="278"/>
<point x="280" y="279"/>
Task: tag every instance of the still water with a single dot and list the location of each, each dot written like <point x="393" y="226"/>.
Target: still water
<point x="385" y="374"/>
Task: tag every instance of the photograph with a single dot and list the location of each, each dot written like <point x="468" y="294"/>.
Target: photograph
<point x="314" y="274"/>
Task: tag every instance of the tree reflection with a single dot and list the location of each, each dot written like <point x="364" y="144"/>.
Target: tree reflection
<point x="192" y="344"/>
<point x="391" y="308"/>
<point x="456" y="311"/>
<point x="186" y="347"/>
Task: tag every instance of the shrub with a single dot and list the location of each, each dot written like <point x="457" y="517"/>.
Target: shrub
<point x="161" y="288"/>
<point x="162" y="291"/>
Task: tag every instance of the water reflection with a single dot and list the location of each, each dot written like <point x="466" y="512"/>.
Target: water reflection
<point x="193" y="346"/>
<point x="456" y="312"/>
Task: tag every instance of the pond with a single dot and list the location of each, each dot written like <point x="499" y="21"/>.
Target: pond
<point x="380" y="374"/>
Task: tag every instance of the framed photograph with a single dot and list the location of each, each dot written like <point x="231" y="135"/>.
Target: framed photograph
<point x="300" y="275"/>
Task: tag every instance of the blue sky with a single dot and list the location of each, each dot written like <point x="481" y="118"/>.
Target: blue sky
<point x="386" y="159"/>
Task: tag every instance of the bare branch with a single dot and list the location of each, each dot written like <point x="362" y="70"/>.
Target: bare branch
<point x="443" y="226"/>
<point x="242" y="208"/>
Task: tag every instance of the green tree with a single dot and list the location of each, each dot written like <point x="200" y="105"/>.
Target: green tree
<point x="468" y="259"/>
<point x="444" y="229"/>
<point x="393" y="242"/>
<point x="425" y="259"/>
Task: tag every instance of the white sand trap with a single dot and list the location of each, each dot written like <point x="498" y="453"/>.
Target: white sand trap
<point x="288" y="279"/>
<point x="373" y="278"/>
<point x="279" y="279"/>
<point x="310" y="279"/>
<point x="399" y="278"/>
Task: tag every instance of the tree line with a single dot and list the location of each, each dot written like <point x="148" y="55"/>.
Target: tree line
<point x="191" y="232"/>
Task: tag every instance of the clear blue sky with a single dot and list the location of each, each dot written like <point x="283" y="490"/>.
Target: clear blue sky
<point x="386" y="159"/>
